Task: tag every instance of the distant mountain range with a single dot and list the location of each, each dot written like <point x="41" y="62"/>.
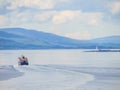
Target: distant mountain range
<point x="19" y="38"/>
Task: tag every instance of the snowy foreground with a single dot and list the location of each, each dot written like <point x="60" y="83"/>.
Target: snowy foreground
<point x="58" y="77"/>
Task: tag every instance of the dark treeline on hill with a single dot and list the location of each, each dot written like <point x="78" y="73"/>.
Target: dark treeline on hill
<point x="19" y="38"/>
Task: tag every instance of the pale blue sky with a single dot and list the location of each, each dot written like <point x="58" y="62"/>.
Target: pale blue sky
<point x="79" y="19"/>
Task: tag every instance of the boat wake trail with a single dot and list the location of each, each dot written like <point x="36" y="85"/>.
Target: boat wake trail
<point x="59" y="77"/>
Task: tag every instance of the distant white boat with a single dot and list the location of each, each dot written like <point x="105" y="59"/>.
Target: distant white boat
<point x="97" y="48"/>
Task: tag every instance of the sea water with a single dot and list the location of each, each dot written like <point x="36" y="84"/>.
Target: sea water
<point x="61" y="70"/>
<point x="64" y="57"/>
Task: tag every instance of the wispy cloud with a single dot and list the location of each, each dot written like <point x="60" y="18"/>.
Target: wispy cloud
<point x="79" y="35"/>
<point x="37" y="4"/>
<point x="3" y="20"/>
<point x="114" y="7"/>
<point x="93" y="18"/>
<point x="55" y="17"/>
<point x="40" y="4"/>
<point x="65" y="16"/>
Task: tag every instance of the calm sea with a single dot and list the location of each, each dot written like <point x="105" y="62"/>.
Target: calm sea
<point x="63" y="57"/>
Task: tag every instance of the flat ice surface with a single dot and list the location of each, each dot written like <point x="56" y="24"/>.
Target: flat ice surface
<point x="60" y="77"/>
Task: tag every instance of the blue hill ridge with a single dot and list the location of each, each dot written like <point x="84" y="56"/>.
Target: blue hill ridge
<point x="20" y="38"/>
